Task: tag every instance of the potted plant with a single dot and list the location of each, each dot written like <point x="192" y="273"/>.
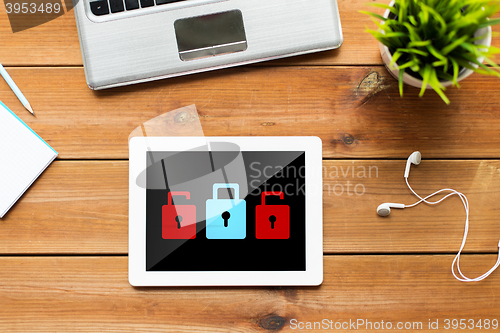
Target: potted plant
<point x="432" y="44"/>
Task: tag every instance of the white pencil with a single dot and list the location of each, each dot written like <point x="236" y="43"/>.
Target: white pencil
<point x="16" y="90"/>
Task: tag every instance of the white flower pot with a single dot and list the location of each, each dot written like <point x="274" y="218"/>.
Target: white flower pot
<point x="412" y="81"/>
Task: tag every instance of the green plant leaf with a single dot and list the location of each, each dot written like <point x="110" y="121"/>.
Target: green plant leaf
<point x="437" y="38"/>
<point x="450" y="37"/>
<point x="424" y="18"/>
<point x="412" y="20"/>
<point x="445" y="76"/>
<point x="485" y="69"/>
<point x="384" y="6"/>
<point x="440" y="92"/>
<point x="380" y="17"/>
<point x="395" y="35"/>
<point x="491" y="62"/>
<point x="401" y="74"/>
<point x="490" y="22"/>
<point x="487" y="51"/>
<point x="437" y="17"/>
<point x="409" y="64"/>
<point x="390" y="42"/>
<point x="471" y="48"/>
<point x="414" y="36"/>
<point x="420" y="43"/>
<point x="447" y="49"/>
<point x="426" y="74"/>
<point x="494" y="65"/>
<point x="464" y="63"/>
<point x="437" y="86"/>
<point x="380" y="24"/>
<point x="435" y="52"/>
<point x="415" y="51"/>
<point x="402" y="11"/>
<point x="439" y="63"/>
<point x="395" y="58"/>
<point x="440" y="56"/>
<point x="456" y="70"/>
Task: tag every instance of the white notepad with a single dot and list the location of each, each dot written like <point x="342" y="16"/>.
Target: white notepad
<point x="23" y="157"/>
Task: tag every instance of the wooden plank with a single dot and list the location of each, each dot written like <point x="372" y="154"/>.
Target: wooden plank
<point x="356" y="111"/>
<point x="75" y="294"/>
<point x="56" y="42"/>
<point x="82" y="207"/>
<point x="74" y="207"/>
<point x="53" y="43"/>
<point x="354" y="189"/>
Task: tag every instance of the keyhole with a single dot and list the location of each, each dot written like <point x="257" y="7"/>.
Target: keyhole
<point x="225" y="216"/>
<point x="272" y="219"/>
<point x="178" y="219"/>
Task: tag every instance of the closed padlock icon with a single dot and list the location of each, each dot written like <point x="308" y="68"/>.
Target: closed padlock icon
<point x="272" y="221"/>
<point x="178" y="221"/>
<point x="226" y="218"/>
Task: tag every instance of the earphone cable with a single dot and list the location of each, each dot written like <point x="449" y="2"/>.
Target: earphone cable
<point x="456" y="260"/>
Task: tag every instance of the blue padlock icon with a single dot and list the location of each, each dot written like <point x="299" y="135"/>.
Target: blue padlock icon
<point x="226" y="218"/>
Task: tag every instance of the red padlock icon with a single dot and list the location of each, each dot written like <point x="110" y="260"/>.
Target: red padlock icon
<point x="178" y="221"/>
<point x="272" y="221"/>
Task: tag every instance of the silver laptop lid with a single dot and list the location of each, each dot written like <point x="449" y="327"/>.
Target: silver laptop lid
<point x="132" y="41"/>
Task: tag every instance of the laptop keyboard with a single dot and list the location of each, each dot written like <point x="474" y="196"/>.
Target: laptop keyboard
<point x="105" y="7"/>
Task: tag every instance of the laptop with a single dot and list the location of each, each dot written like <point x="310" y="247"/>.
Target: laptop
<point x="132" y="41"/>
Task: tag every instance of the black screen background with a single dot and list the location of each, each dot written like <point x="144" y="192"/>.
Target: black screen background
<point x="249" y="254"/>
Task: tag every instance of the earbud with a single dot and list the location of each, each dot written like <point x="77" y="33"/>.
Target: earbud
<point x="385" y="208"/>
<point x="414" y="158"/>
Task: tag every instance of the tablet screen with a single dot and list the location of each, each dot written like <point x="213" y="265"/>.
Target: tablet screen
<point x="254" y="224"/>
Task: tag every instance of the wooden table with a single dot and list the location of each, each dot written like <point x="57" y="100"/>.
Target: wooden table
<point x="63" y="247"/>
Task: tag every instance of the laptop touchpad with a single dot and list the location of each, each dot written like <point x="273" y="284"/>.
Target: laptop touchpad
<point x="210" y="35"/>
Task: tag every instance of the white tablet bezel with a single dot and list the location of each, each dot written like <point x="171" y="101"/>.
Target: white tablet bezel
<point x="313" y="275"/>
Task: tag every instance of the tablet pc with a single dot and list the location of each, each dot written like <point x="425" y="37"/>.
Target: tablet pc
<point x="225" y="211"/>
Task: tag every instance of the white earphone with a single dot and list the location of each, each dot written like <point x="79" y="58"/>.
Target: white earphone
<point x="385" y="209"/>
